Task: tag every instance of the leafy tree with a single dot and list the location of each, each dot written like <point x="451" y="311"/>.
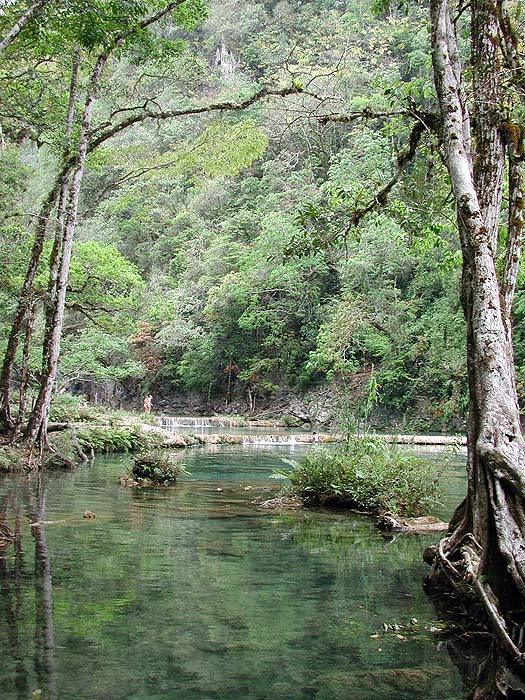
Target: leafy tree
<point x="113" y="32"/>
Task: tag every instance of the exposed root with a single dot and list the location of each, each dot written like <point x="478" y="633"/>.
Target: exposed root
<point x="447" y="567"/>
<point x="491" y="607"/>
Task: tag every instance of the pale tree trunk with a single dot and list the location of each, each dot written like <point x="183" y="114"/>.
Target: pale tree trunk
<point x="24" y="371"/>
<point x="58" y="192"/>
<point x="21" y="23"/>
<point x="37" y="423"/>
<point x="63" y="197"/>
<point x="486" y="544"/>
<point x="24" y="303"/>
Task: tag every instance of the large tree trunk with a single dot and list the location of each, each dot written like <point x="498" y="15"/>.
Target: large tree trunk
<point x="487" y="541"/>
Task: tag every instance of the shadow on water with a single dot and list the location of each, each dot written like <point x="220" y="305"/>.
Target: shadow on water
<point x="193" y="593"/>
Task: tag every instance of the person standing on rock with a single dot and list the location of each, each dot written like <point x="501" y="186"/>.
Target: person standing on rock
<point x="147" y="403"/>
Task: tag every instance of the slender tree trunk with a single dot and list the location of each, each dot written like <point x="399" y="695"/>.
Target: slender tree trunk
<point x="37" y="424"/>
<point x="21" y="23"/>
<point x="62" y="198"/>
<point x="24" y="303"/>
<point x="24" y="371"/>
<point x="58" y="192"/>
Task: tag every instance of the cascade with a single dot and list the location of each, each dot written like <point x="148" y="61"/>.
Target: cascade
<point x="269" y="440"/>
<point x="173" y="423"/>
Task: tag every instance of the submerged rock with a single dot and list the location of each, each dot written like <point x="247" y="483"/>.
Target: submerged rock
<point x="127" y="481"/>
<point x="282" y="502"/>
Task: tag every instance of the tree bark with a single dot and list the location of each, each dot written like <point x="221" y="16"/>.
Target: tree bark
<point x="21" y="23"/>
<point x="24" y="303"/>
<point x="24" y="371"/>
<point x="62" y="199"/>
<point x="37" y="423"/>
<point x="493" y="516"/>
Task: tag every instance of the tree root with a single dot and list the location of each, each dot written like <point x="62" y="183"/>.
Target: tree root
<point x="448" y="568"/>
<point x="491" y="607"/>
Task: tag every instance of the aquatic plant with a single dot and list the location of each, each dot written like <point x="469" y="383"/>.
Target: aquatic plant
<point x="159" y="468"/>
<point x="368" y="474"/>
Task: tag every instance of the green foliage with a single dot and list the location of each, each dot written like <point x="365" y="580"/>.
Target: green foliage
<point x="231" y="235"/>
<point x="367" y="474"/>
<point x="91" y="354"/>
<point x="66" y="407"/>
<point x="12" y="459"/>
<point x="117" y="438"/>
<point x="158" y="468"/>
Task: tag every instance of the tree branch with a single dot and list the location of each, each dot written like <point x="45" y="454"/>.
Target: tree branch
<point x="404" y="157"/>
<point x="366" y="113"/>
<point x="21" y="23"/>
<point x="190" y="111"/>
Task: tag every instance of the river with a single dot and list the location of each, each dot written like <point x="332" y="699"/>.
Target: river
<point x="193" y="593"/>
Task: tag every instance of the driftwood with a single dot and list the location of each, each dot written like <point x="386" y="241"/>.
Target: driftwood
<point x="392" y="523"/>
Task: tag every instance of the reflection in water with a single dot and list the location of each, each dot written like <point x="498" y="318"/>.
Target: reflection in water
<point x="44" y="639"/>
<point x="192" y="593"/>
<point x="14" y="574"/>
<point x="11" y="600"/>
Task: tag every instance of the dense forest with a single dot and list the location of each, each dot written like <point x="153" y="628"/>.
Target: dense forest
<point x="241" y="256"/>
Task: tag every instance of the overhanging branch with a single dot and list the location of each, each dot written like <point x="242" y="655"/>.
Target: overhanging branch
<point x="162" y="115"/>
<point x="404" y="157"/>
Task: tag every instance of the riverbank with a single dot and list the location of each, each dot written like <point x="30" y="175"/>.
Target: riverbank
<point x="192" y="439"/>
<point x="80" y="430"/>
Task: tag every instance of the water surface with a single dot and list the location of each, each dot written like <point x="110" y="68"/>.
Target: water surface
<point x="195" y="594"/>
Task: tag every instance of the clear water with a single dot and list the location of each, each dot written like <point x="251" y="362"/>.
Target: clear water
<point x="195" y="594"/>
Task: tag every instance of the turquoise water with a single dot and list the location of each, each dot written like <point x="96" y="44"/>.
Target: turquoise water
<point x="193" y="593"/>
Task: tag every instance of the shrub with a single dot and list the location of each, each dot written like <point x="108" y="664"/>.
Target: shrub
<point x="291" y="421"/>
<point x="117" y="438"/>
<point x="367" y="474"/>
<point x="65" y="407"/>
<point x="157" y="468"/>
<point x="12" y="459"/>
<point x="75" y="408"/>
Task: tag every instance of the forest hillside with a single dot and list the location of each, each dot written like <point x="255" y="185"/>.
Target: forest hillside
<point x="271" y="259"/>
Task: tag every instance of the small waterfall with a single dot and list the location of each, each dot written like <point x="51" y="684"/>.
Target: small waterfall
<point x="173" y="423"/>
<point x="290" y="440"/>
